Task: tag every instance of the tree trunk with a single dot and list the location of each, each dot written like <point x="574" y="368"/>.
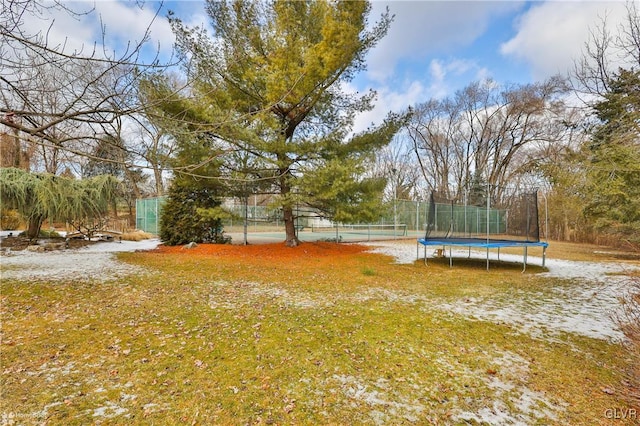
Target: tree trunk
<point x="157" y="173"/>
<point x="33" y="227"/>
<point x="132" y="214"/>
<point x="134" y="185"/>
<point x="291" y="240"/>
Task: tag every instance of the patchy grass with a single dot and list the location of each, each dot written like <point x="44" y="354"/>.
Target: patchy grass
<point x="321" y="334"/>
<point x="578" y="252"/>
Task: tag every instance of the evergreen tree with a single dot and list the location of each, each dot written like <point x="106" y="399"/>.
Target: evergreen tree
<point x="478" y="191"/>
<point x="268" y="83"/>
<point x="111" y="158"/>
<point x="107" y="158"/>
<point x="192" y="212"/>
<point x="613" y="172"/>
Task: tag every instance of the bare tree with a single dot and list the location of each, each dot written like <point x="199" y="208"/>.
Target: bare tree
<point x="57" y="97"/>
<point x="486" y="134"/>
<point x="156" y="147"/>
<point x="604" y="53"/>
<point x="158" y="129"/>
<point x="436" y="130"/>
<point x="396" y="163"/>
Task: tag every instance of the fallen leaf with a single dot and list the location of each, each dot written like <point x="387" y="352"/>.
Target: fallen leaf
<point x="608" y="391"/>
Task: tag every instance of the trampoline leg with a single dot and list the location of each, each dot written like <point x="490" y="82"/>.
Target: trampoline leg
<point x="524" y="260"/>
<point x="544" y="255"/>
<point x="450" y="258"/>
<point x="487" y="258"/>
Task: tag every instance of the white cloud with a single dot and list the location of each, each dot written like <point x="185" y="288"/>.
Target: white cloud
<point x="422" y="28"/>
<point x="437" y="71"/>
<point x="79" y="26"/>
<point x="388" y="100"/>
<point x="551" y="35"/>
<point x="125" y="22"/>
<point x="482" y="74"/>
<point x="441" y="76"/>
<point x="442" y="73"/>
<point x="54" y="24"/>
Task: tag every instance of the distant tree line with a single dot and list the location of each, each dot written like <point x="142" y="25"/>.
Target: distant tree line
<point x="583" y="157"/>
<point x="258" y="107"/>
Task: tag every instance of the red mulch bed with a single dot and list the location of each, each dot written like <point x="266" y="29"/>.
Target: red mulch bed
<point x="275" y="251"/>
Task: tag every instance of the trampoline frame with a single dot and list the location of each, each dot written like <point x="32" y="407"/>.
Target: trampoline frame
<point x="480" y="243"/>
<point x="532" y="238"/>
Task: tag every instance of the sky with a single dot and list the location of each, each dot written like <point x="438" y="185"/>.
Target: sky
<point x="432" y="49"/>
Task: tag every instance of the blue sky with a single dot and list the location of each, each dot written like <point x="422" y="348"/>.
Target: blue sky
<point x="432" y="49"/>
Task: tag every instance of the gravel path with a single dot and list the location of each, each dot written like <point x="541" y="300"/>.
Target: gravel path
<point x="95" y="262"/>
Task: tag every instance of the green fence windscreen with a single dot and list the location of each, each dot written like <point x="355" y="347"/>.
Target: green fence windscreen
<point x="148" y="214"/>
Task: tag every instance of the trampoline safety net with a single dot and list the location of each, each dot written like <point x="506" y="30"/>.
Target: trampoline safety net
<point x="514" y="219"/>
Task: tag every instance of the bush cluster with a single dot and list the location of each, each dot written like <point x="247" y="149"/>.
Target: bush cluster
<point x="186" y="217"/>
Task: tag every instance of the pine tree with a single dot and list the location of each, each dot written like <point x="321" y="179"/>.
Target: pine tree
<point x="614" y="159"/>
<point x="192" y="212"/>
<point x="268" y="83"/>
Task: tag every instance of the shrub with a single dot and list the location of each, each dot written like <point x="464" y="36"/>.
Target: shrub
<point x="135" y="236"/>
<point x="191" y="214"/>
<point x="10" y="219"/>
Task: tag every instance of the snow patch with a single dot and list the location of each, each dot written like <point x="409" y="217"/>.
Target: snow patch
<point x="400" y="251"/>
<point x="507" y="386"/>
<point x="90" y="263"/>
<point x="109" y="411"/>
<point x="238" y="294"/>
<point x="385" y="408"/>
<point x="585" y="306"/>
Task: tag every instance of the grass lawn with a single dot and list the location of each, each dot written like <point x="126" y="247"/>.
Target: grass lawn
<point x="321" y="334"/>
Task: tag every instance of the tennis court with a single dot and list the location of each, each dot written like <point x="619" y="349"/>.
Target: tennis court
<point x="341" y="233"/>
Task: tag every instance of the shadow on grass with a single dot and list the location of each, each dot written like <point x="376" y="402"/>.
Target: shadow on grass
<point x="481" y="264"/>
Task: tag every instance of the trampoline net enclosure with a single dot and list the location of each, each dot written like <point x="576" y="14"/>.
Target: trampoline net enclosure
<point x="514" y="218"/>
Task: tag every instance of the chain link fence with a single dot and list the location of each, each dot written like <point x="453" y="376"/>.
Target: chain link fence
<point x="401" y="218"/>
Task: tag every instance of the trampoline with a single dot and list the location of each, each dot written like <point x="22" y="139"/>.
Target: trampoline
<point x="481" y="224"/>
